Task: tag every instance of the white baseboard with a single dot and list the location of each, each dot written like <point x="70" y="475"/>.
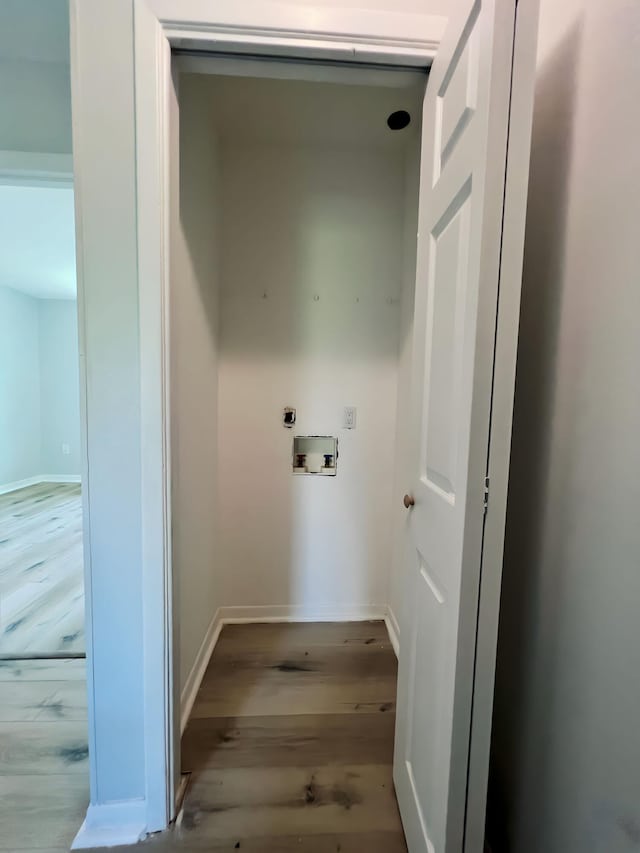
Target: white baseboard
<point x="112" y="825"/>
<point x="269" y="613"/>
<point x="302" y="613"/>
<point x="194" y="679"/>
<point x="393" y="629"/>
<point x="40" y="478"/>
<point x="19" y="484"/>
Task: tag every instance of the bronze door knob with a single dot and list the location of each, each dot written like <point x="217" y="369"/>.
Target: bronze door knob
<point x="408" y="501"/>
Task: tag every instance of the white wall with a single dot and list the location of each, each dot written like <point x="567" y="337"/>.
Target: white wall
<point x="59" y="387"/>
<point x="35" y="92"/>
<point x="35" y="113"/>
<point x="39" y="393"/>
<point x="194" y="373"/>
<point x="20" y="438"/>
<point x="300" y="223"/>
<point x="566" y="751"/>
<point x="35" y="29"/>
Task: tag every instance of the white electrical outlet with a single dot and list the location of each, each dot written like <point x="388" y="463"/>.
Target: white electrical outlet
<point x="66" y="450"/>
<point x="349" y="417"/>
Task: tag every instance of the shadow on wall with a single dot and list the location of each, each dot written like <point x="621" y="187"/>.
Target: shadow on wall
<point x="542" y="296"/>
<point x="194" y="377"/>
<point x="312" y="270"/>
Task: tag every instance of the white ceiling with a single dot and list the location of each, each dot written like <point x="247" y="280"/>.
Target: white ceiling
<point x="37" y="241"/>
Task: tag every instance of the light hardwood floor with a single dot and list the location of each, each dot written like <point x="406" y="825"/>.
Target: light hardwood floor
<point x="290" y="745"/>
<point x="44" y="766"/>
<point x="41" y="576"/>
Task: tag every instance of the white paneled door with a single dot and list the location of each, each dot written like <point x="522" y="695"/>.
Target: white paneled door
<point x="466" y="131"/>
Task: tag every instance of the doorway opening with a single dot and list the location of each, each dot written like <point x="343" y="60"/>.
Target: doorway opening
<point x="43" y="704"/>
<point x="41" y="564"/>
<point x="293" y="251"/>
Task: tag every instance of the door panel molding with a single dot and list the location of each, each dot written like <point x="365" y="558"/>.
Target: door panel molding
<point x="441" y="775"/>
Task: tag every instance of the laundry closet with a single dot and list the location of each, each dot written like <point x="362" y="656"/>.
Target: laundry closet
<point x="293" y="265"/>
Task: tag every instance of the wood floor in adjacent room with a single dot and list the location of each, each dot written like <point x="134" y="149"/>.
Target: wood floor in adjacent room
<point x="44" y="764"/>
<point x="41" y="574"/>
<point x="290" y="744"/>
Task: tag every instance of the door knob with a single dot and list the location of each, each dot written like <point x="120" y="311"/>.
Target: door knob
<point x="408" y="501"/>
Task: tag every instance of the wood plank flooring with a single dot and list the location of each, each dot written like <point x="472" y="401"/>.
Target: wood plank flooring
<point x="44" y="766"/>
<point x="41" y="574"/>
<point x="290" y="744"/>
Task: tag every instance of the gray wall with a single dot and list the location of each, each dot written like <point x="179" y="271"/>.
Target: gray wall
<point x="566" y="749"/>
<point x="19" y="387"/>
<point x="59" y="386"/>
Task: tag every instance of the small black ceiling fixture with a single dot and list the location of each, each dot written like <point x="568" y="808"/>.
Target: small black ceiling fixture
<point x="399" y="120"/>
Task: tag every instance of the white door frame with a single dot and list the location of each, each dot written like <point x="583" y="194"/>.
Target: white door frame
<point x="250" y="28"/>
<point x="275" y="29"/>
